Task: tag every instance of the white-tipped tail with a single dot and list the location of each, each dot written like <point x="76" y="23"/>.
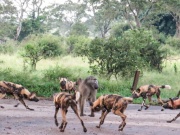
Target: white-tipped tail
<point x="167" y="86"/>
<point x="129" y="99"/>
<point x="77" y="96"/>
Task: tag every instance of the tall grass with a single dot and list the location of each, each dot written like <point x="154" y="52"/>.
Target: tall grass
<point x="45" y="79"/>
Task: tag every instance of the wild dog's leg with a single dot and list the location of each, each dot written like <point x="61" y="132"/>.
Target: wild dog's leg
<point x="174" y="118"/>
<point x="2" y="95"/>
<point x="143" y="104"/>
<point x="123" y="117"/>
<point x="55" y="115"/>
<point x="75" y="109"/>
<point x="103" y="116"/>
<point x="64" y="122"/>
<point x="17" y="104"/>
<point x="22" y="101"/>
<point x="158" y="97"/>
<point x="150" y="101"/>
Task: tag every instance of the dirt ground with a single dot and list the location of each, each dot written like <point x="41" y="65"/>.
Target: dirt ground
<point x="19" y="121"/>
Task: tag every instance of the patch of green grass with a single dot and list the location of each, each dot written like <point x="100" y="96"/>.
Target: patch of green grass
<point x="45" y="79"/>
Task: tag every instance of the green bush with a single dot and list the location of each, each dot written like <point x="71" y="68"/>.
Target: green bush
<point x="174" y="42"/>
<point x="41" y="47"/>
<point x="136" y="49"/>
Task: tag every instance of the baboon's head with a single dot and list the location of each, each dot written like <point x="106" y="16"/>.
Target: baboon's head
<point x="63" y="82"/>
<point x="169" y="104"/>
<point x="92" y="82"/>
<point x="33" y="97"/>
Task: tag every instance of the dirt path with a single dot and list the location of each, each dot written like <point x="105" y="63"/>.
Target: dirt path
<point x="19" y="121"/>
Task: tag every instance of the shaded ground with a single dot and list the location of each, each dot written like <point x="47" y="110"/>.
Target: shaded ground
<point x="19" y="121"/>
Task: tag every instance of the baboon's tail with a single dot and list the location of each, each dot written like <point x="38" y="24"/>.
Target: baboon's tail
<point x="129" y="99"/>
<point x="165" y="87"/>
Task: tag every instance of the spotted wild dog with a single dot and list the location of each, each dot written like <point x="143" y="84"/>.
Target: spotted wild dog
<point x="67" y="86"/>
<point x="173" y="104"/>
<point x="63" y="100"/>
<point x="115" y="103"/>
<point x="18" y="91"/>
<point x="147" y="91"/>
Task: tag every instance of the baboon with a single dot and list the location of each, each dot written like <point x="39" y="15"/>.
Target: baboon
<point x="88" y="89"/>
<point x="147" y="91"/>
<point x="18" y="91"/>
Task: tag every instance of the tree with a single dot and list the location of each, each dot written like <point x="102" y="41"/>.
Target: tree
<point x="20" y="15"/>
<point x="40" y="48"/>
<point x="79" y="29"/>
<point x="104" y="14"/>
<point x="7" y="18"/>
<point x="137" y="10"/>
<point x="173" y="6"/>
<point x="135" y="49"/>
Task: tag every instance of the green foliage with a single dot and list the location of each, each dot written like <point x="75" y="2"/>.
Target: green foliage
<point x="136" y="49"/>
<point x="174" y="42"/>
<point x="118" y="29"/>
<point x="9" y="47"/>
<point x="79" y="29"/>
<point x="31" y="26"/>
<point x="77" y="44"/>
<point x="166" y="24"/>
<point x="39" y="47"/>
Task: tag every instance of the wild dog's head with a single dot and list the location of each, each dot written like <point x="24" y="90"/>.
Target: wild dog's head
<point x="96" y="108"/>
<point x="92" y="82"/>
<point x="62" y="82"/>
<point x="135" y="93"/>
<point x="33" y="97"/>
<point x="169" y="104"/>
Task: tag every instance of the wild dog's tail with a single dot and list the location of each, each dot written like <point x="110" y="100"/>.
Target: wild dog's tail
<point x="165" y="87"/>
<point x="55" y="95"/>
<point x="129" y="99"/>
<point x="77" y="96"/>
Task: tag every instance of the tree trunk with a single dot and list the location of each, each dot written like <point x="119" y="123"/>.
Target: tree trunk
<point x="177" y="28"/>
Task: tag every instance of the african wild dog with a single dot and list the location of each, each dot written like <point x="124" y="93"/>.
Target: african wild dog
<point x="147" y="91"/>
<point x="173" y="104"/>
<point x="67" y="86"/>
<point x="113" y="102"/>
<point x="63" y="100"/>
<point x="18" y="91"/>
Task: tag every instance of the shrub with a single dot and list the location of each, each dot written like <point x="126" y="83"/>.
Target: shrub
<point x="40" y="47"/>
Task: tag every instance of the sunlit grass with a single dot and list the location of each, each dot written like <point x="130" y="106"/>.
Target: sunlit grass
<point x="121" y="86"/>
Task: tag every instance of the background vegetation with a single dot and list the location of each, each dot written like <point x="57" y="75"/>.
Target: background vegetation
<point x="109" y="39"/>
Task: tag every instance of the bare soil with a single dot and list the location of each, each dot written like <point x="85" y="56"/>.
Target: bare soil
<point x="19" y="121"/>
